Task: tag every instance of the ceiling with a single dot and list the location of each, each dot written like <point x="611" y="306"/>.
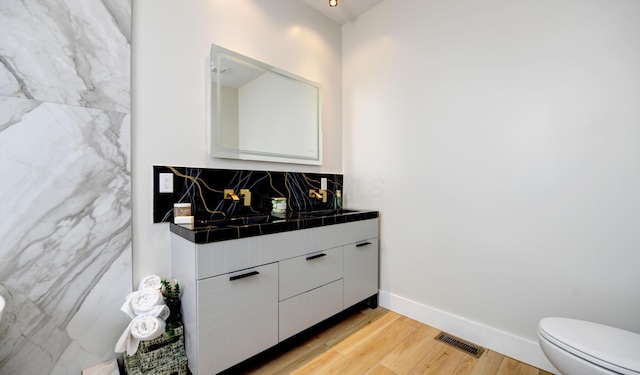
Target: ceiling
<point x="346" y="9"/>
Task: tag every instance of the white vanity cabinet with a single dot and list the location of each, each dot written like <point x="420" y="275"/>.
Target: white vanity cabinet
<point x="243" y="296"/>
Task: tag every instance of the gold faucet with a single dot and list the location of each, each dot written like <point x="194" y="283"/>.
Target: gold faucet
<point x="319" y="194"/>
<point x="245" y="194"/>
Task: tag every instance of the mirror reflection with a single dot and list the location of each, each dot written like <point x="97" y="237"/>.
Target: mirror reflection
<point x="259" y="112"/>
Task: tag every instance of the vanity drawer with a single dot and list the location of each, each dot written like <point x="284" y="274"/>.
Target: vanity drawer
<point x="310" y="271"/>
<point x="331" y="236"/>
<point x="304" y="310"/>
<point x="222" y="257"/>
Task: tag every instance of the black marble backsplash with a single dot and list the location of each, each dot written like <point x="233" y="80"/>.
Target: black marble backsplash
<point x="204" y="189"/>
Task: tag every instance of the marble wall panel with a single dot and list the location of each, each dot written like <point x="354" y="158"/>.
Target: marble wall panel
<point x="66" y="223"/>
<point x="65" y="196"/>
<point x="67" y="51"/>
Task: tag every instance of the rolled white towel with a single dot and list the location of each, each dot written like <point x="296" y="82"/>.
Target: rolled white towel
<point x="158" y="311"/>
<point x="141" y="328"/>
<point x="151" y="282"/>
<point x="143" y="302"/>
<point x="147" y="328"/>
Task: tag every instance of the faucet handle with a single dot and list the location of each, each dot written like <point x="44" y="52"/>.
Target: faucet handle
<point x="245" y="194"/>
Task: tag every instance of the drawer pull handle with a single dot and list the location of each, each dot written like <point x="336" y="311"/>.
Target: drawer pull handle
<point x="316" y="256"/>
<point x="363" y="244"/>
<point x="236" y="277"/>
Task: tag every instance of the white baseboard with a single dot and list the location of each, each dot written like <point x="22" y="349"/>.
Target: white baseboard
<point x="516" y="347"/>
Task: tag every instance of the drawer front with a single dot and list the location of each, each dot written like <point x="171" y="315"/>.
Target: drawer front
<point x="305" y="310"/>
<point x="237" y="317"/>
<point x="310" y="271"/>
<point x="218" y="258"/>
<point x="327" y="237"/>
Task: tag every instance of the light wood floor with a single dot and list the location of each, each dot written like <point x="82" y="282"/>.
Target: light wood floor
<point x="378" y="342"/>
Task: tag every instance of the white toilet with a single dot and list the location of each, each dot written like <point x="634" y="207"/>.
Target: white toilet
<point x="576" y="347"/>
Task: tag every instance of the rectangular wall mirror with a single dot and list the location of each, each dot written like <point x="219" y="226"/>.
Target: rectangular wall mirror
<point x="259" y="112"/>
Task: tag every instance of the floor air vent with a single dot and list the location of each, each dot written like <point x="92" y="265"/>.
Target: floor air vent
<point x="466" y="347"/>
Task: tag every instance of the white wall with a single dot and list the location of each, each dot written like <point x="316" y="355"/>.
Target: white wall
<point x="171" y="42"/>
<point x="499" y="140"/>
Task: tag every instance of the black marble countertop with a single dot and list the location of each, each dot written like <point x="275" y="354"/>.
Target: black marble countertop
<point x="257" y="225"/>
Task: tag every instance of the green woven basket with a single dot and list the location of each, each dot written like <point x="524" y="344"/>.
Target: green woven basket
<point x="178" y="366"/>
<point x="160" y="356"/>
<point x="162" y="340"/>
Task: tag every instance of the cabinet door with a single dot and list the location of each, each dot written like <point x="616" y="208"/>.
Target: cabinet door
<point x="360" y="271"/>
<point x="237" y="317"/>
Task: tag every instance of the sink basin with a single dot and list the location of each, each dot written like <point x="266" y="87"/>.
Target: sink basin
<point x="240" y="221"/>
<point x="321" y="213"/>
<point x="234" y="221"/>
<point x="246" y="220"/>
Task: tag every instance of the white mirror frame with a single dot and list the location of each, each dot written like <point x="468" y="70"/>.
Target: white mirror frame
<point x="273" y="138"/>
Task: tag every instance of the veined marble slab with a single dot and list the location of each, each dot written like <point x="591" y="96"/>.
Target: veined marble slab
<point x="65" y="196"/>
<point x="73" y="52"/>
<point x="65" y="255"/>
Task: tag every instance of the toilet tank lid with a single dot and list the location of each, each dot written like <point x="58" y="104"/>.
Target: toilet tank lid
<point x="605" y="344"/>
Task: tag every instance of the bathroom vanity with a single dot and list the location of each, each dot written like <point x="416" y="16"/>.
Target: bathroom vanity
<point x="249" y="285"/>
